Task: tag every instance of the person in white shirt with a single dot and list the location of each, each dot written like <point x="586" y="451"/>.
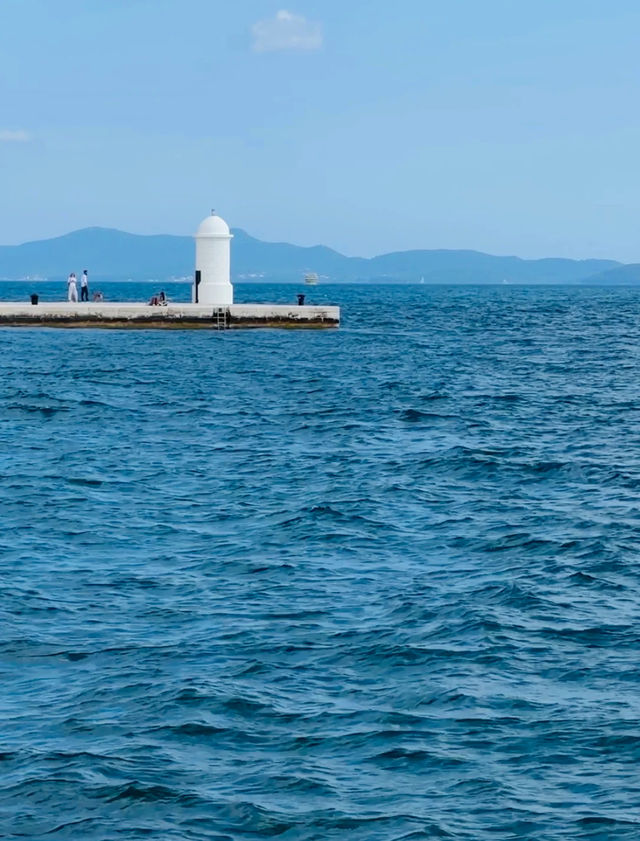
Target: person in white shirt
<point x="72" y="289"/>
<point x="84" y="286"/>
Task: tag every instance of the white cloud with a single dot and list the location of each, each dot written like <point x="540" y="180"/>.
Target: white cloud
<point x="17" y="136"/>
<point x="286" y="31"/>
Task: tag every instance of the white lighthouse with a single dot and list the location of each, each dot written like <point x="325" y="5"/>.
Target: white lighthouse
<point x="212" y="284"/>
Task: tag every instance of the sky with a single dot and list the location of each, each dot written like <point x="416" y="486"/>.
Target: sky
<point x="505" y="126"/>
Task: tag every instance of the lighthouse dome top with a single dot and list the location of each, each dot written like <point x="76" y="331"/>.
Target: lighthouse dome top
<point x="213" y="226"/>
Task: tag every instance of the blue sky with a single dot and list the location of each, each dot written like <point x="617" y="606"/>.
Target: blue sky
<point x="505" y="126"/>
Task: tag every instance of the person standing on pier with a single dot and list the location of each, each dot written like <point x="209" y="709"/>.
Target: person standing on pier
<point x="72" y="289"/>
<point x="84" y="286"/>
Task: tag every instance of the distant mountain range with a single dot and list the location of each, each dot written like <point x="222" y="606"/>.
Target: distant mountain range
<point x="111" y="254"/>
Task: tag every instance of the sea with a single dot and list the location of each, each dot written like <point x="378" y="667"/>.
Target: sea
<point x="379" y="583"/>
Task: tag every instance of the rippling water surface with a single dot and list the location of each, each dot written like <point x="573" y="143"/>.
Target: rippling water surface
<point x="371" y="584"/>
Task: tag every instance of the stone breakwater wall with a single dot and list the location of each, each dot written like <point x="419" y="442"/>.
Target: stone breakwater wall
<point x="184" y="316"/>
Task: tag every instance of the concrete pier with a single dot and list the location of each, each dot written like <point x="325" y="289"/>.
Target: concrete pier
<point x="131" y="316"/>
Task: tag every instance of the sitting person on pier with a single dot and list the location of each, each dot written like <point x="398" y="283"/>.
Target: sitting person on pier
<point x="98" y="297"/>
<point x="159" y="300"/>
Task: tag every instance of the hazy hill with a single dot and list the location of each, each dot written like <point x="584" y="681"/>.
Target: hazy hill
<point x="476" y="267"/>
<point x="108" y="253"/>
<point x="618" y="276"/>
<point x="104" y="252"/>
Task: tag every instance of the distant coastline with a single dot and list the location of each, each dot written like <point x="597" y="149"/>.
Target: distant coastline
<point x="116" y="256"/>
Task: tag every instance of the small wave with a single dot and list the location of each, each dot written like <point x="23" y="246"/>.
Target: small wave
<point x="147" y="794"/>
<point x="45" y="411"/>
<point x="409" y="757"/>
<point x="609" y="823"/>
<point x="195" y="730"/>
<point x="418" y="415"/>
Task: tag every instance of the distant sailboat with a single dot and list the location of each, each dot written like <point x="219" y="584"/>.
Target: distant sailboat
<point x="311" y="279"/>
<point x="422" y="279"/>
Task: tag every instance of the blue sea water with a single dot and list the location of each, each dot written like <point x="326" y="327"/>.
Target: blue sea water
<point x="374" y="584"/>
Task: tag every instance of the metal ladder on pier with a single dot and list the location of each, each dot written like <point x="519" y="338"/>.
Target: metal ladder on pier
<point x="220" y="315"/>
